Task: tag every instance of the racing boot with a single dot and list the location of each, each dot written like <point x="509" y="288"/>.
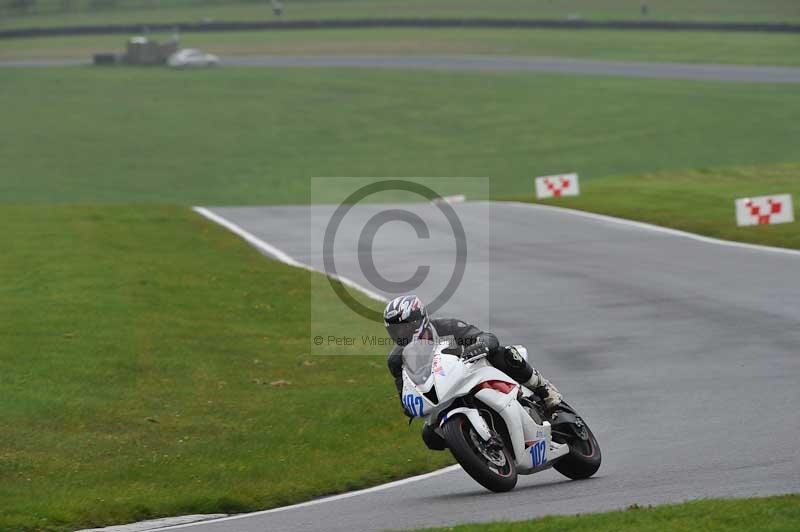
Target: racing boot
<point x="433" y="441"/>
<point x="545" y="390"/>
<point x="510" y="361"/>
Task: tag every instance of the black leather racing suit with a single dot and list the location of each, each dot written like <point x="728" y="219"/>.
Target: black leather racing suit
<point x="461" y="334"/>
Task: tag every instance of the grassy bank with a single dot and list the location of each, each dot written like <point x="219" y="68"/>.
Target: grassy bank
<point x="142" y="354"/>
<point x="129" y="11"/>
<point x="768" y="514"/>
<point x="256" y="136"/>
<point x="699" y="201"/>
<point x="681" y="46"/>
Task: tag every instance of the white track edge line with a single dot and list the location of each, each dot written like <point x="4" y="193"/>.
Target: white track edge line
<point x="658" y="228"/>
<point x="281" y="256"/>
<point x="315" y="502"/>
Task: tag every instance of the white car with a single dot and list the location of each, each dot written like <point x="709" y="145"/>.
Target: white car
<point x="191" y="57"/>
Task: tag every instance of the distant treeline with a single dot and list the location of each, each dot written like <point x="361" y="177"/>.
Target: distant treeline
<point x="112" y="29"/>
<point x="10" y="8"/>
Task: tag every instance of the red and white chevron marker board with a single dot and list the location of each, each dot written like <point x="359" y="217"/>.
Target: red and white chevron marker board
<point x="555" y="186"/>
<point x="765" y="210"/>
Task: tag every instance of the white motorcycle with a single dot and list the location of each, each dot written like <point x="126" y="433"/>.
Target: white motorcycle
<point x="495" y="428"/>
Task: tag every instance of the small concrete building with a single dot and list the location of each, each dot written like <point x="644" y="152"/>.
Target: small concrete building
<point x="146" y="51"/>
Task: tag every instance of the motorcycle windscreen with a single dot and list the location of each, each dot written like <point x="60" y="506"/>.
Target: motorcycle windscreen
<point x="417" y="359"/>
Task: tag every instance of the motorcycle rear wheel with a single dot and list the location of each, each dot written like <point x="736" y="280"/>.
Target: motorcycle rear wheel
<point x="492" y="468"/>
<point x="583" y="459"/>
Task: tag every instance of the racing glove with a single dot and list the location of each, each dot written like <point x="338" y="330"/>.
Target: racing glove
<point x="475" y="349"/>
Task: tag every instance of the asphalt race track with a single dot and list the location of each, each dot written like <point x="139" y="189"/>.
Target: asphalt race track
<point x="683" y="356"/>
<point x="755" y="74"/>
<point x="488" y="63"/>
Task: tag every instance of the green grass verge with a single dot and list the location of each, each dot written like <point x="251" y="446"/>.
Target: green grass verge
<point x="137" y="348"/>
<point x="682" y="46"/>
<point x="768" y="514"/>
<point x="699" y="201"/>
<point x="256" y="136"/>
<point x="183" y="10"/>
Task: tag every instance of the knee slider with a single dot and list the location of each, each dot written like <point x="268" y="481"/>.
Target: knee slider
<point x="513" y="358"/>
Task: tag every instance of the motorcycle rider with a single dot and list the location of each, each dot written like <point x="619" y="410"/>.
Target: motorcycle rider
<point x="407" y="320"/>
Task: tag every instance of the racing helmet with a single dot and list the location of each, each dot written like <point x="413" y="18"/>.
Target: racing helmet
<point x="406" y="320"/>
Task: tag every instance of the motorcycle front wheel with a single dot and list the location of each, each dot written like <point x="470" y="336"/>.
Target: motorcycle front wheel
<point x="489" y="463"/>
